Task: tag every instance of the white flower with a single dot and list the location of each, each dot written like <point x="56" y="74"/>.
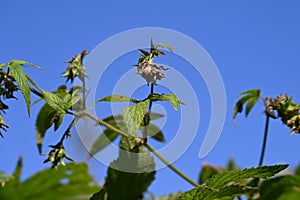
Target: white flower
<point x="151" y="72"/>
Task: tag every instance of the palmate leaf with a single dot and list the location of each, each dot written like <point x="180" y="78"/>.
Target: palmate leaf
<point x="172" y="98"/>
<point x="43" y="122"/>
<point x="249" y="98"/>
<point x="226" y="184"/>
<point x="67" y="182"/>
<point x="133" y="116"/>
<point x="20" y="77"/>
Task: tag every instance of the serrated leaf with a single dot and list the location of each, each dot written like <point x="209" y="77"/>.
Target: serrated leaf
<point x="54" y="101"/>
<point x="222" y="179"/>
<point x="21" y="78"/>
<point x="104" y="139"/>
<point x="137" y="183"/>
<point x="67" y="182"/>
<point x="114" y="98"/>
<point x="207" y="172"/>
<point x="44" y="121"/>
<point x="172" y="98"/>
<point x="133" y="115"/>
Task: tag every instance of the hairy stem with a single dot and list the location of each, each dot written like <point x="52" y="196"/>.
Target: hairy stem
<point x="177" y="171"/>
<point x="264" y="141"/>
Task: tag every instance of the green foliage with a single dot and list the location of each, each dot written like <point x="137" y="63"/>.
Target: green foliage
<point x="69" y="182"/>
<point x="227" y="184"/>
<point x="43" y="122"/>
<point x="249" y="98"/>
<point x="108" y="136"/>
<point x="283" y="187"/>
<point x="172" y="98"/>
<point x="76" y="68"/>
<point x="4" y="178"/>
<point x="114" y="98"/>
<point x="133" y="116"/>
<point x="132" y="184"/>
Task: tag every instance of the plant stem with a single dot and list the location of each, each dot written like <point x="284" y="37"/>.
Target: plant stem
<point x="83" y="93"/>
<point x="66" y="133"/>
<point x="103" y="123"/>
<point x="145" y="130"/>
<point x="265" y="141"/>
<point x="177" y="171"/>
<point x="160" y="157"/>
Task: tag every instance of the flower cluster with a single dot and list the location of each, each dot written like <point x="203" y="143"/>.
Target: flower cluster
<point x="288" y="111"/>
<point x="151" y="72"/>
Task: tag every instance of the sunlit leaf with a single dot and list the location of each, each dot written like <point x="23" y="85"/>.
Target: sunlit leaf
<point x="169" y="47"/>
<point x="172" y="98"/>
<point x="20" y="77"/>
<point x="133" y="115"/>
<point x="227" y="184"/>
<point x="54" y="101"/>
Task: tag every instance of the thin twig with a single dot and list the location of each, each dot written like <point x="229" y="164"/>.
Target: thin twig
<point x="67" y="132"/>
<point x="265" y="141"/>
<point x="177" y="171"/>
<point x="103" y="123"/>
<point x="172" y="167"/>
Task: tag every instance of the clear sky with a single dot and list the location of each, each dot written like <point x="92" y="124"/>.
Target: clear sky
<point x="255" y="44"/>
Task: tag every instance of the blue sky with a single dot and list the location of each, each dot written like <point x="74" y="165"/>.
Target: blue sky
<point x="254" y="44"/>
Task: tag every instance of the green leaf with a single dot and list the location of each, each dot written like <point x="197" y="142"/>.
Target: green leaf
<point x="133" y="115"/>
<point x="4" y="178"/>
<point x="58" y="120"/>
<point x="21" y="78"/>
<point x="54" y="101"/>
<point x="24" y="63"/>
<point x="130" y="185"/>
<point x="172" y="98"/>
<point x="43" y="122"/>
<point x="227" y="184"/>
<point x="104" y="139"/>
<point x="283" y="187"/>
<point x="114" y="98"/>
<point x="207" y="172"/>
<point x="222" y="179"/>
<point x="249" y="97"/>
<point x="169" y="47"/>
<point x="67" y="182"/>
<point x="3" y="65"/>
<point x="154" y="132"/>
